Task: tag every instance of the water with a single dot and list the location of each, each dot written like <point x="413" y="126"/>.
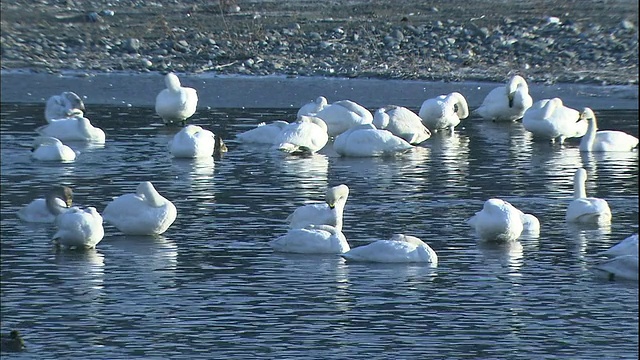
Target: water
<point x="211" y="287"/>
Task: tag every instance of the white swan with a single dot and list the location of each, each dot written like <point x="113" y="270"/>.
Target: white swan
<point x="306" y="135"/>
<point x="263" y="133"/>
<point x="193" y="141"/>
<point x="444" y="111"/>
<point x="497" y="221"/>
<point x="313" y="107"/>
<point x="37" y="210"/>
<point x="530" y="223"/>
<point x="144" y="213"/>
<point x="343" y="115"/>
<point x="402" y="122"/>
<point x="606" y="140"/>
<point x="76" y="128"/>
<point x="583" y="209"/>
<point x="628" y="246"/>
<point x="326" y="213"/>
<point x="176" y="104"/>
<point x="313" y="239"/>
<point x="47" y="148"/>
<point x="79" y="228"/>
<point x="550" y="119"/>
<point x="399" y="249"/>
<point x="506" y="103"/>
<point x="366" y="140"/>
<point x="64" y="105"/>
<point x="623" y="267"/>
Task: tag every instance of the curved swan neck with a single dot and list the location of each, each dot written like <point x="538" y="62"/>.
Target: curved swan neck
<point x="61" y="193"/>
<point x="150" y="194"/>
<point x="172" y="82"/>
<point x="462" y="108"/>
<point x="579" y="180"/>
<point x="586" y="143"/>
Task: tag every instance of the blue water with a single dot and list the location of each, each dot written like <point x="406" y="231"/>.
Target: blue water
<point x="212" y="288"/>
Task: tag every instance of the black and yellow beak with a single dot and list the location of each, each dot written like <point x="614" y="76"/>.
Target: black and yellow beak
<point x="510" y="97"/>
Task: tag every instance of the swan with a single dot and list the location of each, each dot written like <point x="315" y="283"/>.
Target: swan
<point x="37" y="210"/>
<point x="176" y="104"/>
<point x="444" y="111"/>
<point x="366" y="140"/>
<point x="75" y="128"/>
<point x="76" y="227"/>
<point x="399" y="249"/>
<point x="325" y="213"/>
<point x="628" y="246"/>
<point x="193" y="141"/>
<point x="623" y="267"/>
<point x="506" y="103"/>
<point x="47" y="148"/>
<point x="530" y="223"/>
<point x="313" y="239"/>
<point x="313" y="107"/>
<point x="550" y="119"/>
<point x="343" y="115"/>
<point x="306" y="135"/>
<point x="606" y="140"/>
<point x="64" y="105"/>
<point x="583" y="209"/>
<point x="263" y="133"/>
<point x="402" y="123"/>
<point x="144" y="213"/>
<point x="12" y="343"/>
<point x="497" y="221"/>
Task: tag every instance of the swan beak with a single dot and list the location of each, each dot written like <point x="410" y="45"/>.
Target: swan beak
<point x="332" y="206"/>
<point x="68" y="202"/>
<point x="510" y="100"/>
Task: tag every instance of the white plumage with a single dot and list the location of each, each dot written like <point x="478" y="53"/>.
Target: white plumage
<point x="306" y="135"/>
<point x="399" y="249"/>
<point x="628" y="246"/>
<point x="313" y="107"/>
<point x="497" y="221"/>
<point x="76" y="128"/>
<point x="329" y="212"/>
<point x="343" y="115"/>
<point x="176" y="103"/>
<point x="60" y="198"/>
<point x="549" y="119"/>
<point x="366" y="140"/>
<point x="79" y="228"/>
<point x="144" y="213"/>
<point x="607" y="140"/>
<point x="583" y="209"/>
<point x="444" y="111"/>
<point x="263" y="133"/>
<point x="506" y="103"/>
<point x="193" y="141"/>
<point x="47" y="148"/>
<point x="401" y="122"/>
<point x="313" y="239"/>
<point x="64" y="105"/>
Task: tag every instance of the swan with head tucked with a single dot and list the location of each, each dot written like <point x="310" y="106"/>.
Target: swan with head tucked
<point x="76" y="227"/>
<point x="605" y="140"/>
<point x="47" y="148"/>
<point x="402" y="123"/>
<point x="399" y="249"/>
<point x="60" y="197"/>
<point x="64" y="105"/>
<point x="306" y="135"/>
<point x="144" y="213"/>
<point x="366" y="141"/>
<point x="550" y="119"/>
<point x="312" y="239"/>
<point x="343" y="115"/>
<point x="583" y="209"/>
<point x="497" y="221"/>
<point x="263" y="133"/>
<point x="193" y="141"/>
<point x="313" y="107"/>
<point x="444" y="111"/>
<point x="506" y="103"/>
<point x="76" y="128"/>
<point x="176" y="103"/>
<point x="326" y="213"/>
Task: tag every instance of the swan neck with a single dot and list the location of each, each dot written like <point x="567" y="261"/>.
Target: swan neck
<point x="579" y="190"/>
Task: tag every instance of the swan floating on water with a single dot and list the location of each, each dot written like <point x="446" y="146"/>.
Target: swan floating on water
<point x="605" y="140"/>
<point x="402" y="123"/>
<point x="47" y="148"/>
<point x="64" y="105"/>
<point x="399" y="249"/>
<point x="176" y="103"/>
<point x="623" y="261"/>
<point x="343" y="115"/>
<point x="312" y="239"/>
<point x="444" y="111"/>
<point x="550" y="119"/>
<point x="583" y="209"/>
<point x="193" y="141"/>
<point x="144" y="213"/>
<point x="506" y="103"/>
<point x="313" y="107"/>
<point x="306" y="135"/>
<point x="263" y="133"/>
<point x="37" y="210"/>
<point x="628" y="246"/>
<point x="367" y="141"/>
<point x="76" y="128"/>
<point x="497" y="221"/>
<point x="325" y="213"/>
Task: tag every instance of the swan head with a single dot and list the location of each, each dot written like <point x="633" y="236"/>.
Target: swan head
<point x="59" y="198"/>
<point x="44" y="140"/>
<point x="515" y="83"/>
<point x="220" y="147"/>
<point x="315" y="120"/>
<point x="407" y="238"/>
<point x="460" y="106"/>
<point x="321" y="102"/>
<point x="587" y="114"/>
<point x="74" y="102"/>
<point x="172" y="82"/>
<point x="335" y="194"/>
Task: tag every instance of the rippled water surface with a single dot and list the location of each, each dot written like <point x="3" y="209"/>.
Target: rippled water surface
<point x="211" y="287"/>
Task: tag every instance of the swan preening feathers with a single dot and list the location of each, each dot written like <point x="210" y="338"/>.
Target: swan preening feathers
<point x="74" y="128"/>
<point x="306" y="135"/>
<point x="342" y="115"/>
<point x="58" y="198"/>
<point x="176" y="103"/>
<point x="444" y="111"/>
<point x="506" y="103"/>
<point x="583" y="209"/>
<point x="501" y="222"/>
<point x="550" y="119"/>
<point x="402" y="123"/>
<point x="328" y="212"/>
<point x="64" y="105"/>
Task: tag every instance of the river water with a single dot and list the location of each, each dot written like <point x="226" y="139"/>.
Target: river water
<point x="212" y="288"/>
